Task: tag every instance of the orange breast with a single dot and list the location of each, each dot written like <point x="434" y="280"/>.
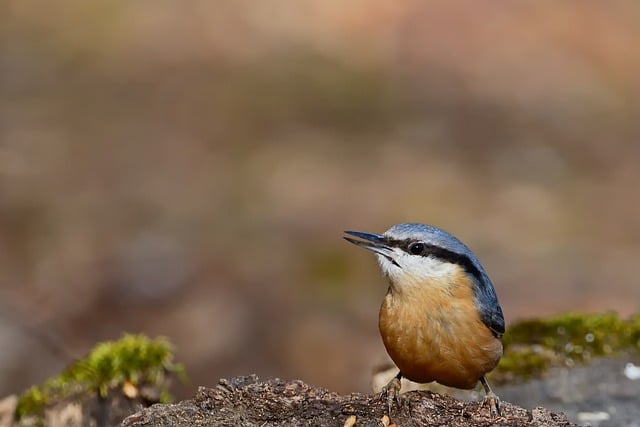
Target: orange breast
<point x="434" y="333"/>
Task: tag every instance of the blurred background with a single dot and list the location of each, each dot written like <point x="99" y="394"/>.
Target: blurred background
<point x="187" y="170"/>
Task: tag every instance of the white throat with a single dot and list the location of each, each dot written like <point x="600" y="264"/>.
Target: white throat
<point x="416" y="270"/>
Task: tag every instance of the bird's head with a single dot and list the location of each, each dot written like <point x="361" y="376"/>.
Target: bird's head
<point x="414" y="254"/>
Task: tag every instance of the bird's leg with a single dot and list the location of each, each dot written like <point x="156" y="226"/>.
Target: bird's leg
<point x="392" y="391"/>
<point x="491" y="398"/>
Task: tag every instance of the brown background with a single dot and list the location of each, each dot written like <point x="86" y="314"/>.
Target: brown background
<point x="187" y="169"/>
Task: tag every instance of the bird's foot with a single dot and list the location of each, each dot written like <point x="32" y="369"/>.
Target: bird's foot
<point x="491" y="398"/>
<point x="391" y="392"/>
<point x="493" y="401"/>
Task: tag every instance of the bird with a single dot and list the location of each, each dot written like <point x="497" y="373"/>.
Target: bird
<point x="440" y="319"/>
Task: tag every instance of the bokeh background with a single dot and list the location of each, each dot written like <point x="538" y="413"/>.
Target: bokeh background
<point x="187" y="168"/>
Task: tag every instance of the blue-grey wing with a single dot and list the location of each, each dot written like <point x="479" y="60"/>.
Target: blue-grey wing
<point x="488" y="306"/>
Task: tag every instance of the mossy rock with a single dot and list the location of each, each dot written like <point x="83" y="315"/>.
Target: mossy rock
<point x="533" y="346"/>
<point x="126" y="367"/>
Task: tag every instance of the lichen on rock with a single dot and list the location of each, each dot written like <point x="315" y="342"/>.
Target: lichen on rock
<point x="133" y="367"/>
<point x="533" y="346"/>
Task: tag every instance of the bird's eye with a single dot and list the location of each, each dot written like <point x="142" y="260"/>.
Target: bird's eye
<point x="416" y="248"/>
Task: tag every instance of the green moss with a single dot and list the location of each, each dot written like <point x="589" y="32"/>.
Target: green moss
<point x="533" y="346"/>
<point x="133" y="358"/>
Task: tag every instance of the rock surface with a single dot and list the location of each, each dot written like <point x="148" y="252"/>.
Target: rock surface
<point x="247" y="401"/>
<point x="599" y="394"/>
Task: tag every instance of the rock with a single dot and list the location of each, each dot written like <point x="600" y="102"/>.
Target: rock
<point x="247" y="401"/>
<point x="80" y="410"/>
<point x="598" y="394"/>
<point x="7" y="410"/>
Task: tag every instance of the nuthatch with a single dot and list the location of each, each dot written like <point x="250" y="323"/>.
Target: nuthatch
<point x="440" y="320"/>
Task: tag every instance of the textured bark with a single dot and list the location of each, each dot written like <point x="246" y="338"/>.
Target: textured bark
<point x="246" y="401"/>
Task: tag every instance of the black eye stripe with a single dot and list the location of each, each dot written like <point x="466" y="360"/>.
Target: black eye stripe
<point x="440" y="253"/>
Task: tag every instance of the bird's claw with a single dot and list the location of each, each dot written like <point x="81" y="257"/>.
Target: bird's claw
<point x="391" y="392"/>
<point x="491" y="398"/>
<point x="494" y="404"/>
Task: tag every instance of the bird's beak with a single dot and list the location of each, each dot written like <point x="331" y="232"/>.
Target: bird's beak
<point x="373" y="242"/>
